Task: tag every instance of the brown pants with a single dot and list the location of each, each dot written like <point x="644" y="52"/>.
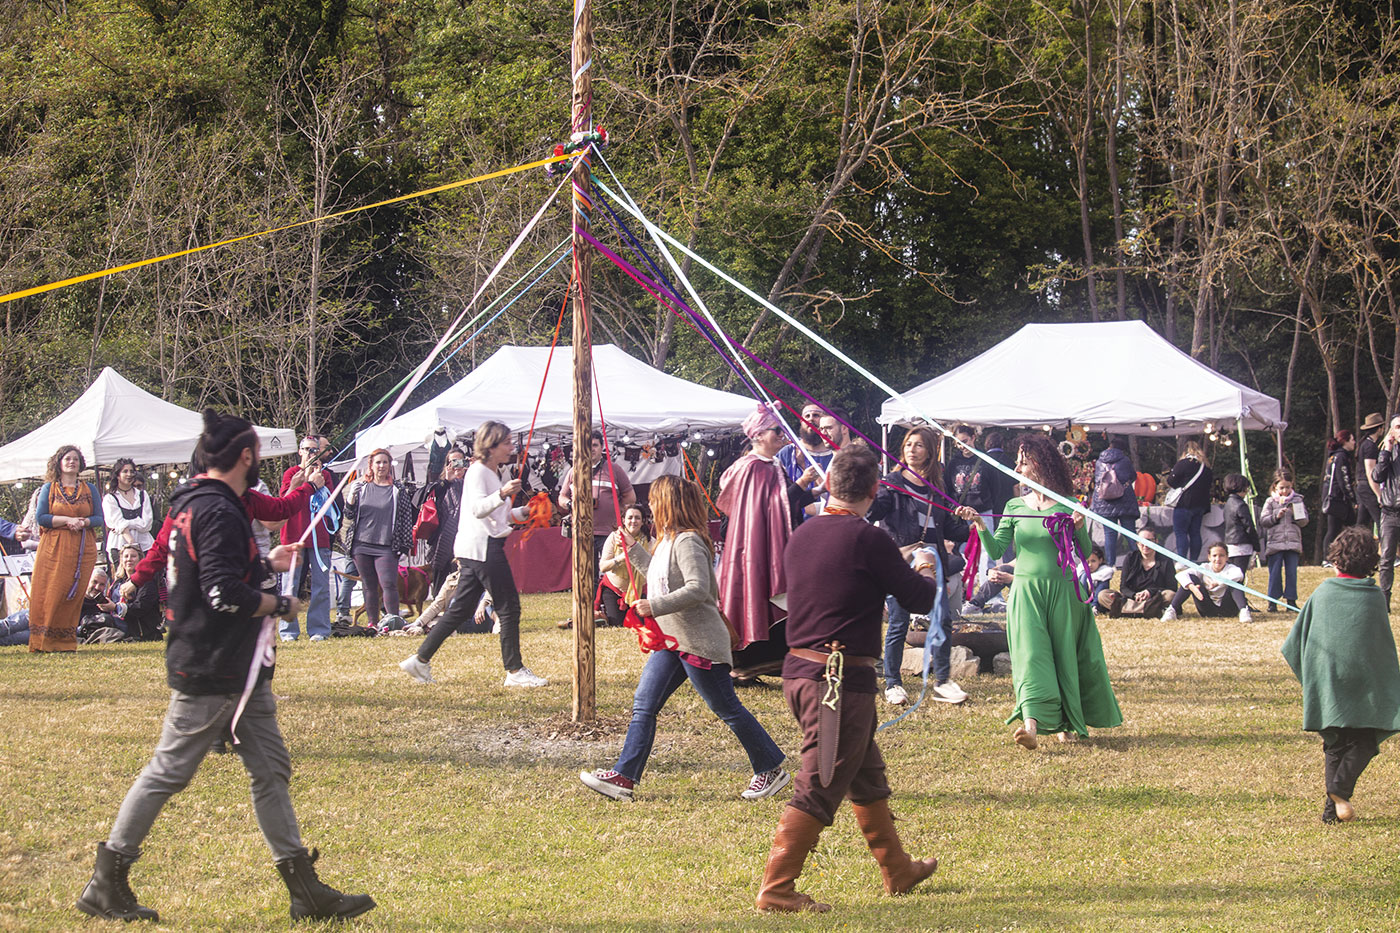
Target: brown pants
<point x="1151" y="606"/>
<point x="860" y="768"/>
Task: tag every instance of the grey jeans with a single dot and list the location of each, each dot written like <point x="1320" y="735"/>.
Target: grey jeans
<point x="192" y="725"/>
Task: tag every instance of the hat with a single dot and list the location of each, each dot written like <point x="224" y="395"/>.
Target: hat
<point x="1373" y="420"/>
<point x="761" y="420"/>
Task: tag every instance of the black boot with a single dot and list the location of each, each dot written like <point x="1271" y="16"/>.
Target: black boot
<point x="108" y="894"/>
<point x="316" y="901"/>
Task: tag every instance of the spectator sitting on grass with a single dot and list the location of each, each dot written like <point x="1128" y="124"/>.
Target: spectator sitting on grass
<point x="1214" y="598"/>
<point x="988" y="597"/>
<point x="1147" y="584"/>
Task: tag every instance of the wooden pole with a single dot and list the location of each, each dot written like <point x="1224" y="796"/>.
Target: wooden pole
<point x="585" y="686"/>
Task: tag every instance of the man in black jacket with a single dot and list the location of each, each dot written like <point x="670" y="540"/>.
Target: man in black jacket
<point x="1387" y="476"/>
<point x="218" y="659"/>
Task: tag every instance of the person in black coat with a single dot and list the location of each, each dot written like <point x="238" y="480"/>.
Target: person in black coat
<point x="1192" y="475"/>
<point x="1338" y="488"/>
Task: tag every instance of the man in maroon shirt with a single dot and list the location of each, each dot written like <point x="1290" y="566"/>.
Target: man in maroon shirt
<point x="839" y="569"/>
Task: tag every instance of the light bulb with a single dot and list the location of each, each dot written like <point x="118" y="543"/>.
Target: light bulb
<point x="710" y="452"/>
<point x="626" y="438"/>
<point x="155" y="475"/>
<point x="698" y="435"/>
<point x="685" y="444"/>
<point x="1154" y="426"/>
<point x="19" y="484"/>
<point x="174" y="474"/>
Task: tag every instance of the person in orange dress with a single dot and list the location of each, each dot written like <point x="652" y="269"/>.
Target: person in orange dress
<point x="70" y="513"/>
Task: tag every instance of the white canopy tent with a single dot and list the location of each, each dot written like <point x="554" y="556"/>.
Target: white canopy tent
<point x="115" y="418"/>
<point x="1116" y="376"/>
<point x="636" y="399"/>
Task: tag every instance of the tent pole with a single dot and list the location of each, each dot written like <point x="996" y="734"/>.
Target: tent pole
<point x="1278" y="436"/>
<point x="884" y="446"/>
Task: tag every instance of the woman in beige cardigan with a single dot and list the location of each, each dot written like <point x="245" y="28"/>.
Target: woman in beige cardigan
<point x="683" y="598"/>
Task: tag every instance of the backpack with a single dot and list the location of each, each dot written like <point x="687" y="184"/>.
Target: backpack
<point x="1108" y="487"/>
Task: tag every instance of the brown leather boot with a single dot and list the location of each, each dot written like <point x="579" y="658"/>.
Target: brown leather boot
<point x="900" y="872"/>
<point x="796" y="836"/>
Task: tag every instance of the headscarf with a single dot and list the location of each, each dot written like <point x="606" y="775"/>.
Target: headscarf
<point x="761" y="420"/>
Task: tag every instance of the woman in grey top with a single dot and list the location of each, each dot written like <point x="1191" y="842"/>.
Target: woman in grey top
<point x="683" y="598"/>
<point x="377" y="505"/>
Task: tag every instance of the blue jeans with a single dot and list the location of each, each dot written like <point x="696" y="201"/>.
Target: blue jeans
<point x="663" y="673"/>
<point x="343" y="587"/>
<point x="14" y="629"/>
<point x="1283" y="578"/>
<point x="317" y="563"/>
<point x="1111" y="537"/>
<point x="894" y="645"/>
<point x="1186" y="524"/>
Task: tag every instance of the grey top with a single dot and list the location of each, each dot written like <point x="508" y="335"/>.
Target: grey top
<point x="375" y="521"/>
<point x="690" y="611"/>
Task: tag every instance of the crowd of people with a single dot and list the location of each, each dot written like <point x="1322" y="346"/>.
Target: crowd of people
<point x="820" y="569"/>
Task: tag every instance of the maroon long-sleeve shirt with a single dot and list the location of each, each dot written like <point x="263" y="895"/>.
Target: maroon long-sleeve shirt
<point x="839" y="570"/>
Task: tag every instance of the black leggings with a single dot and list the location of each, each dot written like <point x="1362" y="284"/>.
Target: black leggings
<point x="474" y="578"/>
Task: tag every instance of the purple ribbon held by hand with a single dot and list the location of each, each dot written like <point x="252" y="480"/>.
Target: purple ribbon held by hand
<point x="1061" y="528"/>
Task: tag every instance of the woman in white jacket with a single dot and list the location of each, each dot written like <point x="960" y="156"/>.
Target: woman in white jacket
<point x="480" y="549"/>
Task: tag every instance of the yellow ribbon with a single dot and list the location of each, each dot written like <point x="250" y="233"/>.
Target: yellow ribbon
<point x="88" y="277"/>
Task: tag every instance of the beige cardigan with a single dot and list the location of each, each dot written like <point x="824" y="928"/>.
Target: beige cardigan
<point x="690" y="611"/>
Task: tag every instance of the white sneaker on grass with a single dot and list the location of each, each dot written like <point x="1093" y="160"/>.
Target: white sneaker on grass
<point x="1246" y="615"/>
<point x="896" y="695"/>
<point x="766" y="784"/>
<point x="949" y="692"/>
<point x="608" y="783"/>
<point x="524" y="678"/>
<point x="1169" y="615"/>
<point x="417" y="668"/>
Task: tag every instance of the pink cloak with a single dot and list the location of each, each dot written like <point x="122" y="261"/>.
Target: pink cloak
<point x="753" y="493"/>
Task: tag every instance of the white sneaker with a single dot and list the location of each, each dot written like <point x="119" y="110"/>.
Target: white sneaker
<point x="318" y="638"/>
<point x="524" y="678"/>
<point x="766" y="784"/>
<point x="896" y="695"/>
<point x="1169" y="615"/>
<point x="949" y="692"/>
<point x="1246" y="615"/>
<point x="417" y="668"/>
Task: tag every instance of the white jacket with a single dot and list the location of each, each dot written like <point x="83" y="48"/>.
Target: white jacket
<point x="485" y="512"/>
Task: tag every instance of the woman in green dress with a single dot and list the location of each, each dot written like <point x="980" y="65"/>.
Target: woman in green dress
<point x="1057" y="665"/>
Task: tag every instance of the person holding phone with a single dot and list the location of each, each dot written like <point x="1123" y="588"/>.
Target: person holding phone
<point x="1387" y="477"/>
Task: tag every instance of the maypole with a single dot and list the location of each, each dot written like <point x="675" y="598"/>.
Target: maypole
<point x="585" y="692"/>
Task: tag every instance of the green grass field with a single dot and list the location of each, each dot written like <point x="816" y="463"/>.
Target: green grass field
<point x="457" y="805"/>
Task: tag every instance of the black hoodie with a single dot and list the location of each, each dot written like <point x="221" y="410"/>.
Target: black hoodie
<point x="216" y="582"/>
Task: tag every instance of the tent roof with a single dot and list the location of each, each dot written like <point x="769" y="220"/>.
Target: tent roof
<point x="116" y="418"/>
<point x="636" y="398"/>
<point x="1117" y="376"/>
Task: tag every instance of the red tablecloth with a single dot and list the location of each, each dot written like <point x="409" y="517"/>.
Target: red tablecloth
<point x="542" y="564"/>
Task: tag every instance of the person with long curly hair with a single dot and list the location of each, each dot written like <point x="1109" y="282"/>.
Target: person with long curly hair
<point x="1058" y="671"/>
<point x="70" y="513"/>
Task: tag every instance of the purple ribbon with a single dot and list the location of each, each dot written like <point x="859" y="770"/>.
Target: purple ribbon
<point x="1061" y="528"/>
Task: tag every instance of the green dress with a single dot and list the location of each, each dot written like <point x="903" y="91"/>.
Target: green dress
<point x="1057" y="665"/>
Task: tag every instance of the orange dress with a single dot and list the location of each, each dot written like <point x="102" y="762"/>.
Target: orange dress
<point x="62" y="569"/>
